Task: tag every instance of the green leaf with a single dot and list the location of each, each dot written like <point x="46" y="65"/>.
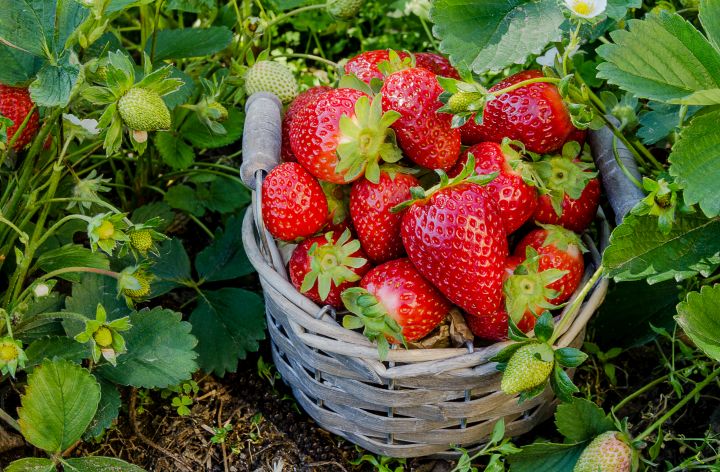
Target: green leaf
<point x="662" y="58"/>
<point x="72" y="255"/>
<point x="562" y="384"/>
<point x="183" y="94"/>
<point x="174" y="151"/>
<point x="695" y="163"/>
<point x="546" y="457"/>
<point x="183" y="197"/>
<point x="228" y="323"/>
<point x="59" y="403"/>
<point x="225" y="258"/>
<point x="581" y="420"/>
<point x="171" y="267"/>
<point x="54" y="83"/>
<point x="660" y="121"/>
<point x="55" y="347"/>
<point x="570" y="356"/>
<point x="190" y="42"/>
<point x="160" y="351"/>
<point x="639" y="250"/>
<point x="697" y="316"/>
<point x="19" y="67"/>
<point x="710" y="19"/>
<point x="227" y="195"/>
<point x="493" y="34"/>
<point x="92" y="290"/>
<point x="152" y="210"/>
<point x="202" y="137"/>
<point x="192" y="6"/>
<point x="107" y="411"/>
<point x="616" y="9"/>
<point x="99" y="464"/>
<point x="31" y="464"/>
<point x="625" y="316"/>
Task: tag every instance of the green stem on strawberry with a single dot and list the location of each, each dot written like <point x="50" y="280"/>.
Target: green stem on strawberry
<point x="575" y="306"/>
<point x="536" y="80"/>
<point x="10" y="420"/>
<point x="18" y="133"/>
<point x="701" y="385"/>
<point x="622" y="167"/>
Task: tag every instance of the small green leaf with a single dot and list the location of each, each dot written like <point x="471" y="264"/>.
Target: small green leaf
<point x="569" y="356"/>
<point x="225" y="258"/>
<point x="493" y="34"/>
<point x="639" y="250"/>
<point x="55" y="347"/>
<point x="546" y="457"/>
<point x="54" y="83"/>
<point x="183" y="197"/>
<point x="171" y="267"/>
<point x="697" y="316"/>
<point x="562" y="385"/>
<point x="228" y="323"/>
<point x="695" y="163"/>
<point x="100" y="464"/>
<point x="174" y="151"/>
<point x="72" y="255"/>
<point x="107" y="411"/>
<point x="544" y="327"/>
<point x="189" y="42"/>
<point x="59" y="402"/>
<point x="32" y="464"/>
<point x="202" y="137"/>
<point x="581" y="420"/>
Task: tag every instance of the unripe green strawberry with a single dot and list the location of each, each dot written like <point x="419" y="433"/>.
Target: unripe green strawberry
<point x="459" y="101"/>
<point x="223" y="113"/>
<point x="141" y="240"/>
<point x="144" y="110"/>
<point x="524" y="371"/>
<point x="606" y="453"/>
<point x="344" y="9"/>
<point x="103" y="336"/>
<point x="270" y="76"/>
<point x="144" y="289"/>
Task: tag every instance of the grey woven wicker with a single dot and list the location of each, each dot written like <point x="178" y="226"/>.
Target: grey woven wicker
<point x="418" y="402"/>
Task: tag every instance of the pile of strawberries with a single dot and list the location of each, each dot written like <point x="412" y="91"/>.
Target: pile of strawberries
<point x="397" y="245"/>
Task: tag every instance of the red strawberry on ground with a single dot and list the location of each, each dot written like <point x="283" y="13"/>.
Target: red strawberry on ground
<point x="394" y="303"/>
<point x="308" y="96"/>
<point x="533" y="114"/>
<point x="378" y="229"/>
<point x="293" y="203"/>
<point x="437" y="64"/>
<point x="15" y="104"/>
<point x="515" y="198"/>
<point x="573" y="193"/>
<point x="454" y="235"/>
<point x="560" y="249"/>
<point x="324" y="266"/>
<point x="342" y="135"/>
<point x="425" y="135"/>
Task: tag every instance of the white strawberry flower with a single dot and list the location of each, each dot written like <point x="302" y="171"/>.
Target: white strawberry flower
<point x="586" y="8"/>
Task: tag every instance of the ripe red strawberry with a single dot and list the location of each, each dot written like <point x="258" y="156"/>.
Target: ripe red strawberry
<point x="456" y="239"/>
<point x="293" y="203"/>
<point x="534" y="114"/>
<point x="365" y="65"/>
<point x="378" y="229"/>
<point x="425" y="135"/>
<point x="308" y="96"/>
<point x="515" y="198"/>
<point x="15" y="104"/>
<point x="439" y="65"/>
<point x="573" y="193"/>
<point x="394" y="301"/>
<point x="324" y="266"/>
<point x="559" y="249"/>
<point x="342" y="135"/>
<point x="494" y="326"/>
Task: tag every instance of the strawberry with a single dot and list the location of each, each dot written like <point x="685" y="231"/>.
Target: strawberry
<point x="454" y="235"/>
<point x="436" y="63"/>
<point x="572" y="193"/>
<point x="324" y="266"/>
<point x="143" y="290"/>
<point x="342" y="135"/>
<point x="579" y="136"/>
<point x="294" y="205"/>
<point x="494" y="326"/>
<point x="515" y="198"/>
<point x="608" y="452"/>
<point x="141" y="240"/>
<point x="15" y="104"/>
<point x="534" y="114"/>
<point x="273" y="77"/>
<point x="426" y="136"/>
<point x="308" y="96"/>
<point x="344" y="9"/>
<point x="144" y="110"/>
<point x="378" y="229"/>
<point x="557" y="249"/>
<point x="528" y="368"/>
<point x="365" y="65"/>
<point x="395" y="301"/>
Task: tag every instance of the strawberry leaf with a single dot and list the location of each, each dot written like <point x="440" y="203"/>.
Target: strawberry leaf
<point x="225" y="258"/>
<point x="171" y="267"/>
<point x="581" y="420"/>
<point x="562" y="385"/>
<point x="697" y="316"/>
<point x="100" y="464"/>
<point x="189" y="42"/>
<point x="569" y="356"/>
<point x="32" y="464"/>
<point x="710" y="19"/>
<point x="544" y="327"/>
<point x="546" y="457"/>
<point x="107" y="411"/>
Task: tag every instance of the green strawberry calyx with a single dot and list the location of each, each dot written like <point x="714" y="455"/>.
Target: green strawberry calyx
<point x="560" y="176"/>
<point x="562" y="238"/>
<point x="366" y="138"/>
<point x="395" y="63"/>
<point x="369" y="313"/>
<point x="331" y="264"/>
<point x="12" y="356"/>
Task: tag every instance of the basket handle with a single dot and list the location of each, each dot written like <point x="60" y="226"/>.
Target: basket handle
<point x="262" y="136"/>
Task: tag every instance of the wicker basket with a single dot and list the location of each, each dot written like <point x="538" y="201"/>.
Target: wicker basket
<point x="418" y="402"/>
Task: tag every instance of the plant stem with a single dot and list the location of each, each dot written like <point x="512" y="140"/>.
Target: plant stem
<point x="429" y="34"/>
<point x="312" y="57"/>
<point x="536" y="80"/>
<point x="67" y="270"/>
<point x="679" y="405"/>
<point x="639" y="392"/>
<point x="10" y="420"/>
<point x="575" y="306"/>
<point x="16" y="136"/>
<point x="285" y="16"/>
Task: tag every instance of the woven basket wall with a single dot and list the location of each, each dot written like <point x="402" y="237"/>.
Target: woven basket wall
<point x="418" y="402"/>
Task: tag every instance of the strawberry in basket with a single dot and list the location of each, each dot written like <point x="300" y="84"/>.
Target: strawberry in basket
<point x="305" y="98"/>
<point x="394" y="303"/>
